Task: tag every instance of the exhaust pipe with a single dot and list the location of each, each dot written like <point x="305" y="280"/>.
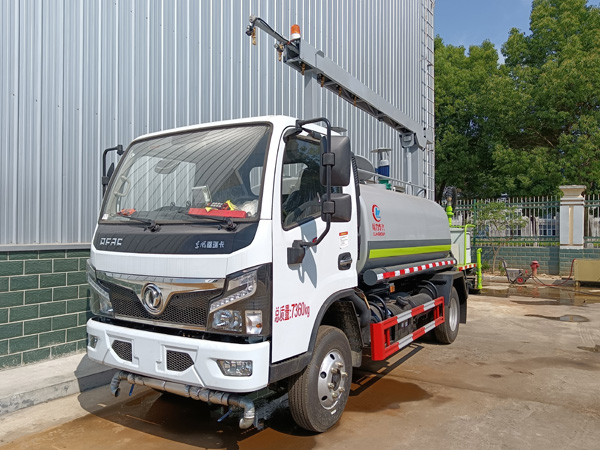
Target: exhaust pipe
<point x="116" y="381"/>
<point x="197" y="393"/>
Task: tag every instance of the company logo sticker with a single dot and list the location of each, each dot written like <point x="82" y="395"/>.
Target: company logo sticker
<point x="116" y="242"/>
<point x="378" y="228"/>
<point x="376" y="213"/>
<point x="210" y="244"/>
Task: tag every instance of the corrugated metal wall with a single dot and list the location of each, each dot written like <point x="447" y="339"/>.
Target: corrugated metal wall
<point x="78" y="76"/>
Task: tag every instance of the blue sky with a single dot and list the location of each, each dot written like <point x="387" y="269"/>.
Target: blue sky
<point x="470" y="22"/>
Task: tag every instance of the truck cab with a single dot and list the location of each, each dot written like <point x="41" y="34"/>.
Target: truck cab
<point x="190" y="277"/>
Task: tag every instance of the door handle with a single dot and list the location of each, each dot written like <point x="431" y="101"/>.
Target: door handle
<point x="344" y="261"/>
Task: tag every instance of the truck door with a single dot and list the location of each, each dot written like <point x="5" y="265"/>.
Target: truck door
<point x="300" y="290"/>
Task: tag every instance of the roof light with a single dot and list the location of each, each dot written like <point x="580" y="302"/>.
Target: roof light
<point x="295" y="33"/>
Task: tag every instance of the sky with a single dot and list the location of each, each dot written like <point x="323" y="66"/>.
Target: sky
<point x="470" y="22"/>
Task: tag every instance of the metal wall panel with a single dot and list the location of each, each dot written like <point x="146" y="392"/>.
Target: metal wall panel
<point x="78" y="76"/>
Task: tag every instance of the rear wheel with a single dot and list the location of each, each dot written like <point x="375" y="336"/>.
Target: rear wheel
<point x="319" y="393"/>
<point x="446" y="333"/>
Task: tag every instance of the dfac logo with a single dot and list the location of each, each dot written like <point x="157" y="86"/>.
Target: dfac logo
<point x="376" y="213"/>
<point x="111" y="241"/>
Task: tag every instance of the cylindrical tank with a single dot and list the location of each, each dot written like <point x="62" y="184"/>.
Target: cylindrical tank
<point x="400" y="229"/>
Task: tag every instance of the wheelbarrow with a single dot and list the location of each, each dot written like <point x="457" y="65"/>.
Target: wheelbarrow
<point x="520" y="276"/>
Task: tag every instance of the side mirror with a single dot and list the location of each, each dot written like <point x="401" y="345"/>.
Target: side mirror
<point x="295" y="253"/>
<point x="339" y="208"/>
<point x="106" y="175"/>
<point x="339" y="159"/>
<point x="106" y="178"/>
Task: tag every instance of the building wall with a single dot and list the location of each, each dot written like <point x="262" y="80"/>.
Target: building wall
<point x="521" y="257"/>
<point x="43" y="305"/>
<point x="78" y="76"/>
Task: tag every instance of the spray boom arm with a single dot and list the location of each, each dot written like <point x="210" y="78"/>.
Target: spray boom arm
<point x="307" y="60"/>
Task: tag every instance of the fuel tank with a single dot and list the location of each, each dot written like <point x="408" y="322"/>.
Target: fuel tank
<point x="399" y="229"/>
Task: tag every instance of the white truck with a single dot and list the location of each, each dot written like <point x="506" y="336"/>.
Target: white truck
<point x="249" y="263"/>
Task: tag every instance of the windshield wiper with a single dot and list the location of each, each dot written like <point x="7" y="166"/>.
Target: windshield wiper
<point x="152" y="225"/>
<point x="231" y="225"/>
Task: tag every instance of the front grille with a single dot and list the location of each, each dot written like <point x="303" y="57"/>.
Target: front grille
<point x="123" y="350"/>
<point x="188" y="308"/>
<point x="178" y="361"/>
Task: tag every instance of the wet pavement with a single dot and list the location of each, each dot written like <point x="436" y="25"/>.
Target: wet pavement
<point x="554" y="294"/>
<point x="523" y="373"/>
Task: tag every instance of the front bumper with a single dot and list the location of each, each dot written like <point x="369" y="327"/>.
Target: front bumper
<point x="146" y="354"/>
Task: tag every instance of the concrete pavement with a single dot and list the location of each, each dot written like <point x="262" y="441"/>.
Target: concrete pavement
<point x="30" y="385"/>
<point x="523" y="373"/>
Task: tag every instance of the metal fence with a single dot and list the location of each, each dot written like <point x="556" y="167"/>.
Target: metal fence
<point x="542" y="221"/>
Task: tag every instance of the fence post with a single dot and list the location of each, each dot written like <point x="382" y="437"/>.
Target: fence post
<point x="571" y="217"/>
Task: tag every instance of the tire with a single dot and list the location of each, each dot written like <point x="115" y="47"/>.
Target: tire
<point x="318" y="394"/>
<point x="446" y="333"/>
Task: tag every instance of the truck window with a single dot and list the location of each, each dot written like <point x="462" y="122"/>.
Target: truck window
<point x="214" y="171"/>
<point x="301" y="191"/>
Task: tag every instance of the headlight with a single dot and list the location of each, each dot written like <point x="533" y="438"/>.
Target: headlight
<point x="227" y="320"/>
<point x="238" y="289"/>
<point x="100" y="304"/>
<point x="245" y="306"/>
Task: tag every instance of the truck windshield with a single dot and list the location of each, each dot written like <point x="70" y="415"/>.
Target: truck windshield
<point x="206" y="174"/>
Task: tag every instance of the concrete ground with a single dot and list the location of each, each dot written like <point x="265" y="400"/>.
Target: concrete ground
<point x="30" y="385"/>
<point x="524" y="373"/>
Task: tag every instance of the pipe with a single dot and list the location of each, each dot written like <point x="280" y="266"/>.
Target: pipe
<point x="479" y="271"/>
<point x="116" y="381"/>
<point x="197" y="393"/>
<point x="386" y="312"/>
<point x="364" y="314"/>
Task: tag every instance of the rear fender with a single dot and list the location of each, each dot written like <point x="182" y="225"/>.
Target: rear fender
<point x="445" y="281"/>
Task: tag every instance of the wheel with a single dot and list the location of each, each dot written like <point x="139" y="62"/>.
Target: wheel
<point x="446" y="333"/>
<point x="319" y="393"/>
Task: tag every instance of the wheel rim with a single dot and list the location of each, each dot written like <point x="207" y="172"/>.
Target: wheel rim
<point x="453" y="314"/>
<point x="330" y="386"/>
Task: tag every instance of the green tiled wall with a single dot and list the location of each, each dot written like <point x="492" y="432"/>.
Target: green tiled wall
<point x="553" y="260"/>
<point x="43" y="305"/>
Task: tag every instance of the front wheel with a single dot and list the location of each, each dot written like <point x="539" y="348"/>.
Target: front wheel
<point x="446" y="333"/>
<point x="319" y="393"/>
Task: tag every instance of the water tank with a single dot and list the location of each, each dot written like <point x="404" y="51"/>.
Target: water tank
<point x="399" y="229"/>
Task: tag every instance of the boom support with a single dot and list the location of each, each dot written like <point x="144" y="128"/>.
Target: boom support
<point x="309" y="61"/>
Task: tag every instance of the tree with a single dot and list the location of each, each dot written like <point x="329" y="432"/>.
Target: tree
<point x="531" y="124"/>
<point x="556" y="71"/>
<point x="463" y="147"/>
<point x="498" y="221"/>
